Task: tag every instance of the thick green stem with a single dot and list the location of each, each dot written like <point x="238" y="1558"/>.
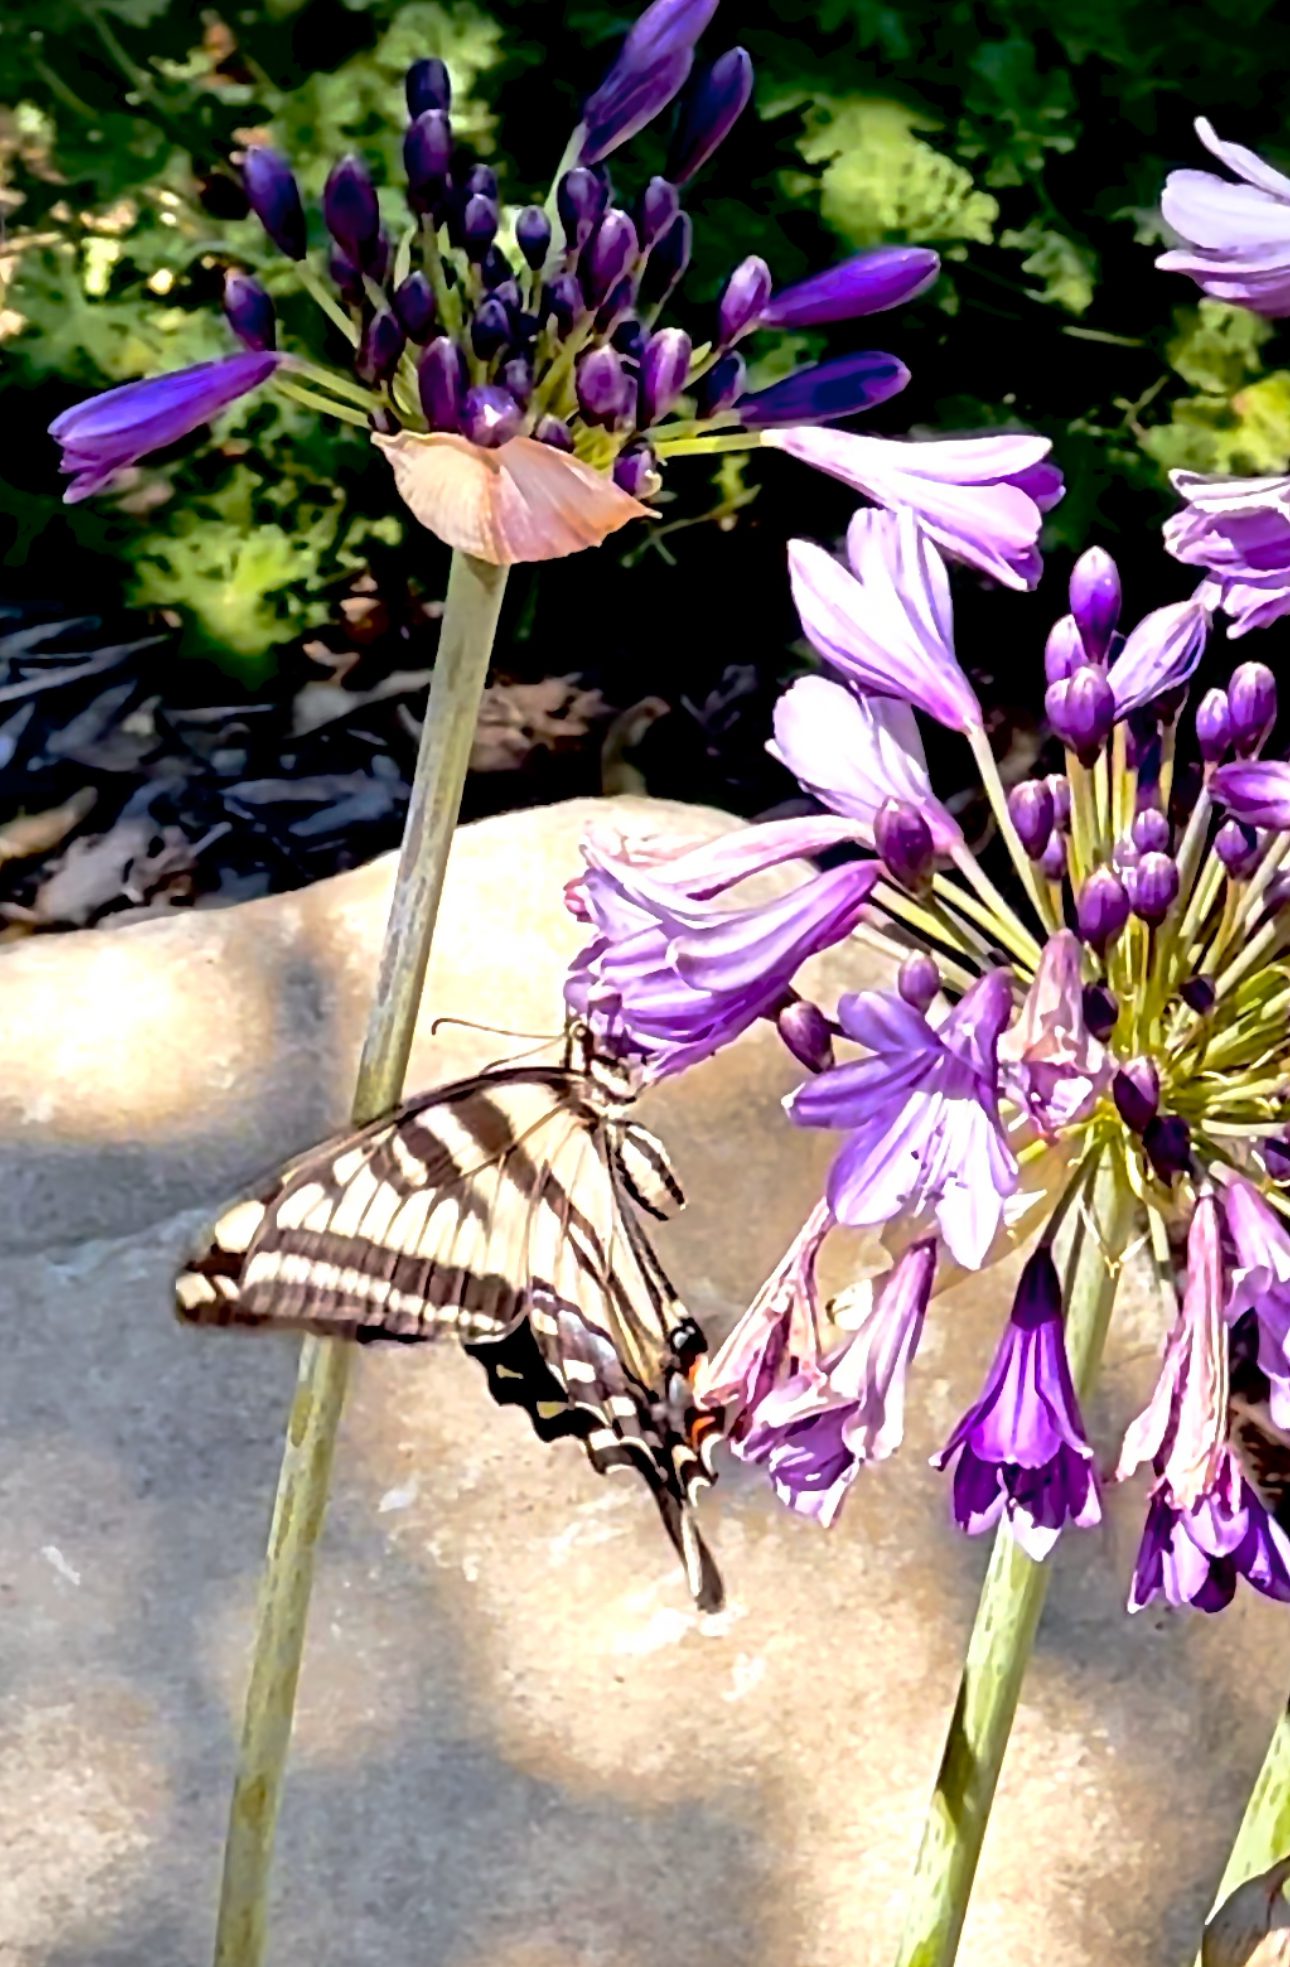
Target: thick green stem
<point x="465" y="644"/>
<point x="1008" y="1614"/>
<point x="1264" y="1837"/>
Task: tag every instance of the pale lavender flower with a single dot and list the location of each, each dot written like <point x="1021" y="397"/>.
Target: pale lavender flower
<point x="815" y="1431"/>
<point x="1260" y="1282"/>
<point x="885" y="624"/>
<point x="1053" y="1066"/>
<point x="1238" y="530"/>
<point x="1237" y="236"/>
<point x="854" y="753"/>
<point x="1022" y="1452"/>
<point x="980" y="499"/>
<point x="1161" y="654"/>
<point x="921" y="1114"/>
<point x="1256" y="791"/>
<point x="774" y="1339"/>
<point x="104" y="435"/>
<point x="1183" y="1428"/>
<point x="1194" y="1556"/>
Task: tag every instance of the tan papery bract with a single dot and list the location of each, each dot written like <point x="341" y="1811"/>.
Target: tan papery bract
<point x="523" y="501"/>
<point x="1252" y="1928"/>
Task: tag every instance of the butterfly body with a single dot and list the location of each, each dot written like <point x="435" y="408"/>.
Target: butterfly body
<point x="500" y="1209"/>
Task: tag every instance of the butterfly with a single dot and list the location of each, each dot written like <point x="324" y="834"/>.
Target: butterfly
<point x="1260" y="1446"/>
<point x="501" y="1208"/>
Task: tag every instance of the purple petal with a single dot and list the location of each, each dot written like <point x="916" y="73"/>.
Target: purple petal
<point x="841" y="388"/>
<point x="761" y="945"/>
<point x="1257" y="792"/>
<point x="853" y="753"/>
<point x="106" y="433"/>
<point x="1162" y="653"/>
<point x="886" y="277"/>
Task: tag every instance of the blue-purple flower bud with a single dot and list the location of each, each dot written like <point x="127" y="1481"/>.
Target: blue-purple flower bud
<point x="867" y="284"/>
<point x="1151" y="831"/>
<point x="652" y="66"/>
<point x="517" y="376"/>
<point x="830" y="390"/>
<point x="565" y="302"/>
<point x="1082" y="712"/>
<point x="1136" y="1092"/>
<point x="555" y="432"/>
<point x="746" y="294"/>
<point x="1063" y="651"/>
<point x="1052" y="859"/>
<point x="723" y="385"/>
<point x="1276" y="1159"/>
<point x="1167" y="1140"/>
<point x="1095" y="597"/>
<point x="668" y="260"/>
<point x="636" y="472"/>
<point x="656" y="208"/>
<point x="630" y="337"/>
<point x="709" y="113"/>
<point x="274" y="197"/>
<point x="1059" y="785"/>
<point x="428" y="86"/>
<point x="1102" y="909"/>
<point x="506" y="290"/>
<point x="348" y="278"/>
<point x="1153" y="886"/>
<point x="1101" y="1010"/>
<point x="918" y="980"/>
<point x="604" y="387"/>
<point x="1199" y="995"/>
<point x="1213" y="727"/>
<point x="490" y="416"/>
<point x="414" y="303"/>
<point x="380" y="347"/>
<point x="249" y="311"/>
<point x="1237" y="846"/>
<point x="904" y="841"/>
<point x="441" y="381"/>
<point x="580" y="200"/>
<point x="807" y="1033"/>
<point x="490" y="330"/>
<point x="1252" y="706"/>
<point x="480" y="181"/>
<point x="610" y="251"/>
<point x="618" y="302"/>
<point x="479" y="220"/>
<point x="533" y="236"/>
<point x="350" y="210"/>
<point x="427" y="158"/>
<point x="664" y="368"/>
<point x="1031" y="807"/>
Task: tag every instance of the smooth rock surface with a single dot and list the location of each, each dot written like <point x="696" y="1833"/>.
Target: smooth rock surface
<point x="517" y="1747"/>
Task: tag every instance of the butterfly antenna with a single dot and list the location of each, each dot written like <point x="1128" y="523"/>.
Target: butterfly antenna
<point x="496" y="1030"/>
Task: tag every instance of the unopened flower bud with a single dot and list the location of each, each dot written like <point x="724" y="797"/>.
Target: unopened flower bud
<point x="1136" y="1092"/>
<point x="1059" y="785"/>
<point x="617" y="304"/>
<point x="480" y="181"/>
<point x="479" y="221"/>
<point x="636" y="472"/>
<point x="806" y="1032"/>
<point x="709" y="112"/>
<point x="1102" y="909"/>
<point x="668" y="260"/>
<point x="490" y="330"/>
<point x="630" y="337"/>
<point x="274" y="197"/>
<point x="490" y="415"/>
<point x="1167" y="1140"/>
<point x="1252" y="705"/>
<point x="428" y="86"/>
<point x="603" y="386"/>
<point x="427" y="157"/>
<point x="1031" y="807"/>
<point x="380" y="348"/>
<point x="1199" y="995"/>
<point x="414" y="304"/>
<point x="580" y="199"/>
<point x="533" y="236"/>
<point x="565" y="302"/>
<point x="350" y="209"/>
<point x="441" y="381"/>
<point x="904" y="840"/>
<point x="1101" y="1010"/>
<point x="1237" y="846"/>
<point x="1095" y="601"/>
<point x="1213" y="726"/>
<point x="746" y="293"/>
<point x="1082" y="712"/>
<point x="656" y="208"/>
<point x="1151" y="831"/>
<point x="612" y="248"/>
<point x="1154" y="886"/>
<point x="517" y="376"/>
<point x="665" y="365"/>
<point x="1063" y="651"/>
<point x="918" y="980"/>
<point x="723" y="385"/>
<point x="1276" y="1158"/>
<point x="554" y="432"/>
<point x="1052" y="860"/>
<point x="249" y="311"/>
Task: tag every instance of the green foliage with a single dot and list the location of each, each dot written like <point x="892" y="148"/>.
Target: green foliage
<point x="881" y="181"/>
<point x="1238" y="421"/>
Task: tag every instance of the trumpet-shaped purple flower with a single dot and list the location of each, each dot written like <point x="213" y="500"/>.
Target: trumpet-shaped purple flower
<point x="1161" y="654"/>
<point x="823" y="394"/>
<point x="101" y="437"/>
<point x="1053" y="1066"/>
<point x="651" y="68"/>
<point x="886" y="623"/>
<point x="1260" y="1283"/>
<point x="774" y="1339"/>
<point x="815" y="1431"/>
<point x="921" y="1114"/>
<point x="1194" y="1556"/>
<point x="981" y="499"/>
<point x="868" y="284"/>
<point x="1257" y="791"/>
<point x="1238" y="530"/>
<point x="1022" y="1451"/>
<point x="1237" y="236"/>
<point x="1183" y="1427"/>
<point x="855" y="753"/>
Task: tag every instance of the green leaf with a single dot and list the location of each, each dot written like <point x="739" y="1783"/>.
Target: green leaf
<point x="881" y="181"/>
<point x="1216" y="347"/>
<point x="1064" y="269"/>
<point x="1247" y="436"/>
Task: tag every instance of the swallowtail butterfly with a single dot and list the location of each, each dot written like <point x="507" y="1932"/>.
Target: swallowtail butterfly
<point x="502" y="1209"/>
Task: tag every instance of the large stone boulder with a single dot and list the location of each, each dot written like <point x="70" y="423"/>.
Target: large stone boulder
<point x="517" y="1745"/>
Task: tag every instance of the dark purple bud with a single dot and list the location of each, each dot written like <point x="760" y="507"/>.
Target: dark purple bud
<point x="656" y="208"/>
<point x="1276" y="1159"/>
<point x="831" y="390"/>
<point x="1252" y="706"/>
<point x="709" y="113"/>
<point x="379" y="257"/>
<point x="620" y="300"/>
<point x="565" y="302"/>
<point x="1167" y="1140"/>
<point x="918" y="980"/>
<point x="274" y="197"/>
<point x="664" y="368"/>
<point x="1063" y="651"/>
<point x="652" y="66"/>
<point x="806" y="1032"/>
<point x="1102" y="909"/>
<point x="427" y="156"/>
<point x="415" y="306"/>
<point x="1151" y="831"/>
<point x="1031" y="807"/>
<point x="479" y="219"/>
<point x="1126" y="853"/>
<point x="490" y="331"/>
<point x="1085" y="716"/>
<point x="1154" y="886"/>
<point x="604" y="387"/>
<point x="380" y="348"/>
<point x="517" y="376"/>
<point x="636" y="472"/>
<point x="533" y="236"/>
<point x="490" y="416"/>
<point x="506" y="290"/>
<point x="630" y="337"/>
<point x="611" y="250"/>
<point x="723" y="385"/>
<point x="1136" y="1092"/>
<point x="347" y="277"/>
<point x="555" y="432"/>
<point x="1101" y="1010"/>
<point x="746" y="294"/>
<point x="1199" y="995"/>
<point x="1142" y="743"/>
<point x="1213" y="726"/>
<point x="249" y="311"/>
<point x="428" y="86"/>
<point x="867" y="284"/>
<point x="1237" y="846"/>
<point x="1095" y="601"/>
<point x="1052" y="860"/>
<point x="1059" y="785"/>
<point x="441" y="379"/>
<point x="350" y="209"/>
<point x="668" y="260"/>
<point x="480" y="181"/>
<point x="580" y="199"/>
<point x="904" y="840"/>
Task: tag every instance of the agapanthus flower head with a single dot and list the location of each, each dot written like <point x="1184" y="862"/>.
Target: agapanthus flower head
<point x="1237" y="236"/>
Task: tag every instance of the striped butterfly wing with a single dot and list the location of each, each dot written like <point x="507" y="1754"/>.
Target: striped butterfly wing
<point x="1261" y="1447"/>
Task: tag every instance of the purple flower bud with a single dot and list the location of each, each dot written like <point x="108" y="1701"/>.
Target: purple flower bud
<point x="1031" y="807"/>
<point x="603" y="386"/>
<point x="1167" y="1140"/>
<point x="652" y="66"/>
<point x="480" y="181"/>
<point x="664" y="368"/>
<point x="1276" y="1159"/>
<point x="630" y="337"/>
<point x="490" y="416"/>
<point x="517" y="376"/>
<point x="867" y="284"/>
<point x="709" y="113"/>
<point x="1213" y="726"/>
<point x="1082" y="712"/>
<point x="1136" y="1092"/>
<point x="415" y="306"/>
<point x="1059" y="785"/>
<point x="1252" y="706"/>
<point x="249" y="311"/>
<point x="380" y="348"/>
<point x="1063" y="651"/>
<point x="723" y="385"/>
<point x="1052" y="860"/>
<point x="636" y="471"/>
<point x="441" y="380"/>
<point x="807" y="1033"/>
<point x="1199" y="995"/>
<point x="611" y="250"/>
<point x="427" y="156"/>
<point x="656" y="208"/>
<point x="830" y="390"/>
<point x="580" y="199"/>
<point x="1102" y="909"/>
<point x="668" y="260"/>
<point x="533" y="236"/>
<point x="274" y="197"/>
<point x="918" y="980"/>
<point x="506" y="290"/>
<point x="565" y="302"/>
<point x="619" y="301"/>
<point x="479" y="219"/>
<point x="350" y="209"/>
<point x="1101" y="1010"/>
<point x="555" y="432"/>
<point x="904" y="840"/>
<point x="1151" y="831"/>
<point x="428" y="86"/>
<point x="347" y="277"/>
<point x="746" y="294"/>
<point x="1142" y="743"/>
<point x="490" y="330"/>
<point x="1095" y="601"/>
<point x="1154" y="886"/>
<point x="1237" y="846"/>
